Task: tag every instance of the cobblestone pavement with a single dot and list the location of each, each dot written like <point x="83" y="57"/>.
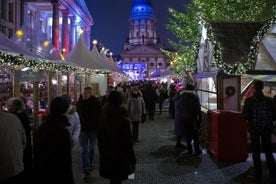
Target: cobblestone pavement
<point x="160" y="162"/>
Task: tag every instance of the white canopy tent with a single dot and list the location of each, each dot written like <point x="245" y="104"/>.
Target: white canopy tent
<point x="81" y="56"/>
<point x="35" y="41"/>
<point x="110" y="62"/>
<point x="168" y="72"/>
<point x="9" y="46"/>
<point x="97" y="57"/>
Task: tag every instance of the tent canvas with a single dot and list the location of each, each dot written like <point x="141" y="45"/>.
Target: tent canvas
<point x="81" y="56"/>
<point x="8" y="45"/>
<point x="156" y="73"/>
<point x="35" y="41"/>
<point x="111" y="62"/>
<point x="168" y="72"/>
<point x="97" y="57"/>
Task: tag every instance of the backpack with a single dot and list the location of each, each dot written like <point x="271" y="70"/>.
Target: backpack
<point x="261" y="115"/>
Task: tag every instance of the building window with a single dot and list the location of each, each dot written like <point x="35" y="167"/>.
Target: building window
<point x="151" y="64"/>
<point x="10" y="32"/>
<point x="11" y="12"/>
<point x="3" y="9"/>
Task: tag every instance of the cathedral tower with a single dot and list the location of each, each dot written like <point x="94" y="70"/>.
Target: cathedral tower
<point x="141" y="55"/>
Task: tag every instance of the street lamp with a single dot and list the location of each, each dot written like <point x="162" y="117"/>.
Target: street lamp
<point x="63" y="51"/>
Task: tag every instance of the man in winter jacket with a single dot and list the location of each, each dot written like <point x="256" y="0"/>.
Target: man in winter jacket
<point x="90" y="110"/>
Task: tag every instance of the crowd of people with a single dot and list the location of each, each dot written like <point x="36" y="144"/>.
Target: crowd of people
<point x="111" y="124"/>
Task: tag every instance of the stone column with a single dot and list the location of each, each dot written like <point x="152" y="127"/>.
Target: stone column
<point x="65" y="32"/>
<point x="72" y="32"/>
<point x="55" y="23"/>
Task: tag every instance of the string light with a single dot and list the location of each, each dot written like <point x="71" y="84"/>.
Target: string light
<point x="186" y="28"/>
<point x="239" y="67"/>
<point x="37" y="64"/>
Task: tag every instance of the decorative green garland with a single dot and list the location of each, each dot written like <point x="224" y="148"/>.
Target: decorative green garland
<point x="13" y="59"/>
<point x="238" y="67"/>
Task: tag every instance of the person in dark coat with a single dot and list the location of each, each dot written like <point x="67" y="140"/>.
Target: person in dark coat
<point x="117" y="157"/>
<point x="191" y="116"/>
<point x="89" y="109"/>
<point x="259" y="134"/>
<point x="52" y="147"/>
<point x="179" y="129"/>
<point x="172" y="93"/>
<point x="17" y="107"/>
<point x="150" y="97"/>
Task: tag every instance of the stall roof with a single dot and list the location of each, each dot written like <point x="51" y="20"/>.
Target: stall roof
<point x="207" y="74"/>
<point x="8" y="45"/>
<point x="111" y="62"/>
<point x="81" y="56"/>
<point x="265" y="78"/>
<point x="97" y="57"/>
<point x="156" y="73"/>
<point x="36" y="42"/>
<point x="263" y="75"/>
<point x="168" y="72"/>
<point x="115" y="66"/>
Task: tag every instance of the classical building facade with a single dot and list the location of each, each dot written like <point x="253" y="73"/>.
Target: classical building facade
<point x="141" y="55"/>
<point x="11" y="16"/>
<point x="60" y="20"/>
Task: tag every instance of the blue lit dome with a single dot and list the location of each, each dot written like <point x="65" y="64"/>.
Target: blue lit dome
<point x="141" y="9"/>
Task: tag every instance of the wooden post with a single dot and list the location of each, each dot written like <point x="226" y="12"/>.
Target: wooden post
<point x="87" y="80"/>
<point x="59" y="83"/>
<point x="50" y="88"/>
<point x="68" y="83"/>
<point x="36" y="103"/>
<point x="16" y="89"/>
<point x="75" y="89"/>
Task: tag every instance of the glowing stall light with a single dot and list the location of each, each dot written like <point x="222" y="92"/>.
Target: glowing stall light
<point x="39" y="48"/>
<point x="63" y="50"/>
<point x="95" y="42"/>
<point x="64" y="78"/>
<point x="80" y="31"/>
<point x="54" y="81"/>
<point x="46" y="43"/>
<point x="19" y="33"/>
<point x="25" y="69"/>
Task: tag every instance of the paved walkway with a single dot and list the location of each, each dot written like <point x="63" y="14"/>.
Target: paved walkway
<point x="159" y="162"/>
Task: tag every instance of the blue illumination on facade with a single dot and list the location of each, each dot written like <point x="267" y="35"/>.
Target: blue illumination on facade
<point x="141" y="9"/>
<point x="134" y="70"/>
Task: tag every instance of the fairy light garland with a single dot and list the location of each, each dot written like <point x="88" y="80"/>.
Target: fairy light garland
<point x="10" y="59"/>
<point x="239" y="67"/>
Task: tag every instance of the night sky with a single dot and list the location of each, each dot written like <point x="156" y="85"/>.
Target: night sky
<point x="111" y="26"/>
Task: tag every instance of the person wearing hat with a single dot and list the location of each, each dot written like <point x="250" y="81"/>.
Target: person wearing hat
<point x="52" y="146"/>
<point x="117" y="157"/>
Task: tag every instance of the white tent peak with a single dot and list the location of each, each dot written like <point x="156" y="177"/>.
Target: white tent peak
<point x="81" y="56"/>
<point x="8" y="45"/>
<point x="34" y="40"/>
<point x="112" y="62"/>
<point x="97" y="56"/>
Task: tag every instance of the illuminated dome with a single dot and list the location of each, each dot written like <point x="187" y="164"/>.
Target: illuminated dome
<point x="141" y="9"/>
